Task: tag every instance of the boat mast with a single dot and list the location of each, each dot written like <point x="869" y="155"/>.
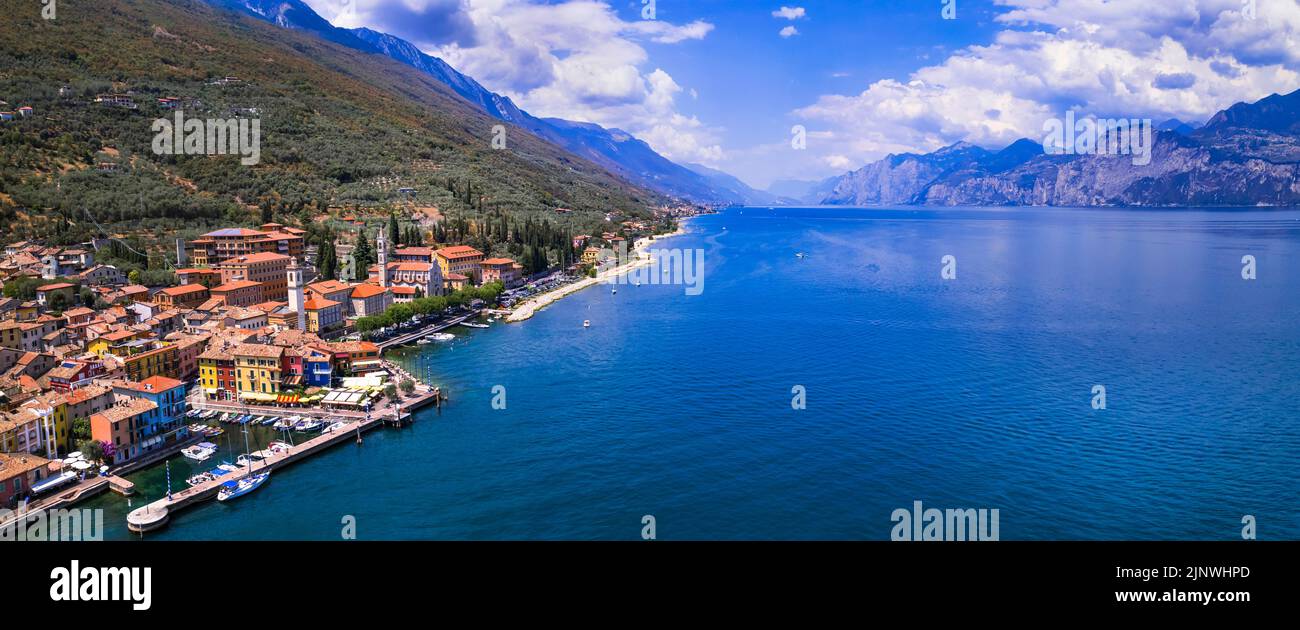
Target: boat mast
<point x="247" y="455"/>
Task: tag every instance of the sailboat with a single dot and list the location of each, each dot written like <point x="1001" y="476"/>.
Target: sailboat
<point x="248" y="483"/>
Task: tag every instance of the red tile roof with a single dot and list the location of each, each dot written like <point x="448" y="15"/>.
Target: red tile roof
<point x="458" y="251"/>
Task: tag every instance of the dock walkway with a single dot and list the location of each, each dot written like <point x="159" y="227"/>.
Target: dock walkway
<point x="412" y="337"/>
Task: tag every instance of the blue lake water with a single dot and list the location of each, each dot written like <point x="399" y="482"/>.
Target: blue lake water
<point x="967" y="393"/>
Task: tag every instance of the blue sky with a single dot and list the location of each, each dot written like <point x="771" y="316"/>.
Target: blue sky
<point x="717" y="82"/>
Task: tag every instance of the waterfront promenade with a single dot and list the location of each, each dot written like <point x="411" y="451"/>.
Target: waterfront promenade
<point x="639" y="257"/>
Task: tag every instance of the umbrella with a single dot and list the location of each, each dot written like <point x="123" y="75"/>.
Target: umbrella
<point x="81" y="465"/>
<point x="75" y="455"/>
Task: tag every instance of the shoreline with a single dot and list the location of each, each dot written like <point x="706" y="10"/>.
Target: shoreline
<point x="639" y="259"/>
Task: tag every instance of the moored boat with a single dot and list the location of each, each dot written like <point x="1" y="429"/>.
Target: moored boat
<point x="234" y="489"/>
<point x="199" y="452"/>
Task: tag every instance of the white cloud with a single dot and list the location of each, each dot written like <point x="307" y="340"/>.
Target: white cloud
<point x="789" y="31"/>
<point x="572" y="59"/>
<point x="1157" y="60"/>
<point x="789" y="13"/>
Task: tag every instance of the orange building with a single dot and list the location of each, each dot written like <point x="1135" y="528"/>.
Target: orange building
<point x="266" y="268"/>
<point x="217" y="247"/>
<point x="239" y="293"/>
<point x="187" y="296"/>
<point x="502" y="270"/>
<point x="461" y="259"/>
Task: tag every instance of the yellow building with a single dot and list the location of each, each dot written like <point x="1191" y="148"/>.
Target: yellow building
<point x="258" y="369"/>
<point x="161" y="361"/>
<point x="461" y="259"/>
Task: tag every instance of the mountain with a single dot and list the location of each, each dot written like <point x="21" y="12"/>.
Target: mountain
<point x="339" y="127"/>
<point x="406" y="52"/>
<point x="616" y="150"/>
<point x="1275" y="113"/>
<point x="797" y="191"/>
<point x="1176" y="126"/>
<point x="898" y="179"/>
<point x="293" y="14"/>
<point x="1246" y="155"/>
<point x="730" y="184"/>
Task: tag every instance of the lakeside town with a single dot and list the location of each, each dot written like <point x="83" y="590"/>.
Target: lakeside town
<point x="102" y="375"/>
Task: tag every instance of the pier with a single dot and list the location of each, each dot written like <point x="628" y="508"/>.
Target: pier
<point x="155" y="515"/>
<point x="412" y="337"/>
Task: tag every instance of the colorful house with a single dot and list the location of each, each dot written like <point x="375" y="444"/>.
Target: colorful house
<point x="167" y="394"/>
<point x="124" y="426"/>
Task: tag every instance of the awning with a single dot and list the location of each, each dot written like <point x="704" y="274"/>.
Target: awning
<point x="287" y="398"/>
<point x="295" y="379"/>
<point x="258" y="396"/>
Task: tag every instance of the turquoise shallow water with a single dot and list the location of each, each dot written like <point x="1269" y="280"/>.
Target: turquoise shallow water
<point x="966" y="393"/>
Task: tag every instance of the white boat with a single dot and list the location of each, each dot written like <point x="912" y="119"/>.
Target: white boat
<point x="311" y="425"/>
<point x="278" y="447"/>
<point x="235" y="489"/>
<point x="586" y="323"/>
<point x="285" y="423"/>
<point x="473" y="325"/>
<point x="247" y="460"/>
<point x="424" y="341"/>
<point x="441" y="336"/>
<point x="200" y="452"/>
<point x="337" y="426"/>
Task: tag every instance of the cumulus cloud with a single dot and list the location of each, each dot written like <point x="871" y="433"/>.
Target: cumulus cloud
<point x="790" y="13"/>
<point x="1157" y="60"/>
<point x="789" y="31"/>
<point x="597" y="69"/>
<point x="420" y="21"/>
<point x="572" y="59"/>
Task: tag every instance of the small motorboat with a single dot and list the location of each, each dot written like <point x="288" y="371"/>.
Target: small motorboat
<point x="214" y="431"/>
<point x="586" y="323"/>
<point x="235" y="489"/>
<point x="424" y="341"/>
<point x="198" y="427"/>
<point x="199" y="452"/>
<point x="311" y="425"/>
<point x="284" y="423"/>
<point x="337" y="426"/>
<point x="473" y="325"/>
<point x="228" y="467"/>
<point x="278" y="447"/>
<point x="201" y="478"/>
<point x="441" y="336"/>
<point x="247" y="460"/>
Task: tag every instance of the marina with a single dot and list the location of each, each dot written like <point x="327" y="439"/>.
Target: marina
<point x="255" y="468"/>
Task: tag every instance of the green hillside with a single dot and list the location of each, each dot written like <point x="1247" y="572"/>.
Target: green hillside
<point x="339" y="128"/>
